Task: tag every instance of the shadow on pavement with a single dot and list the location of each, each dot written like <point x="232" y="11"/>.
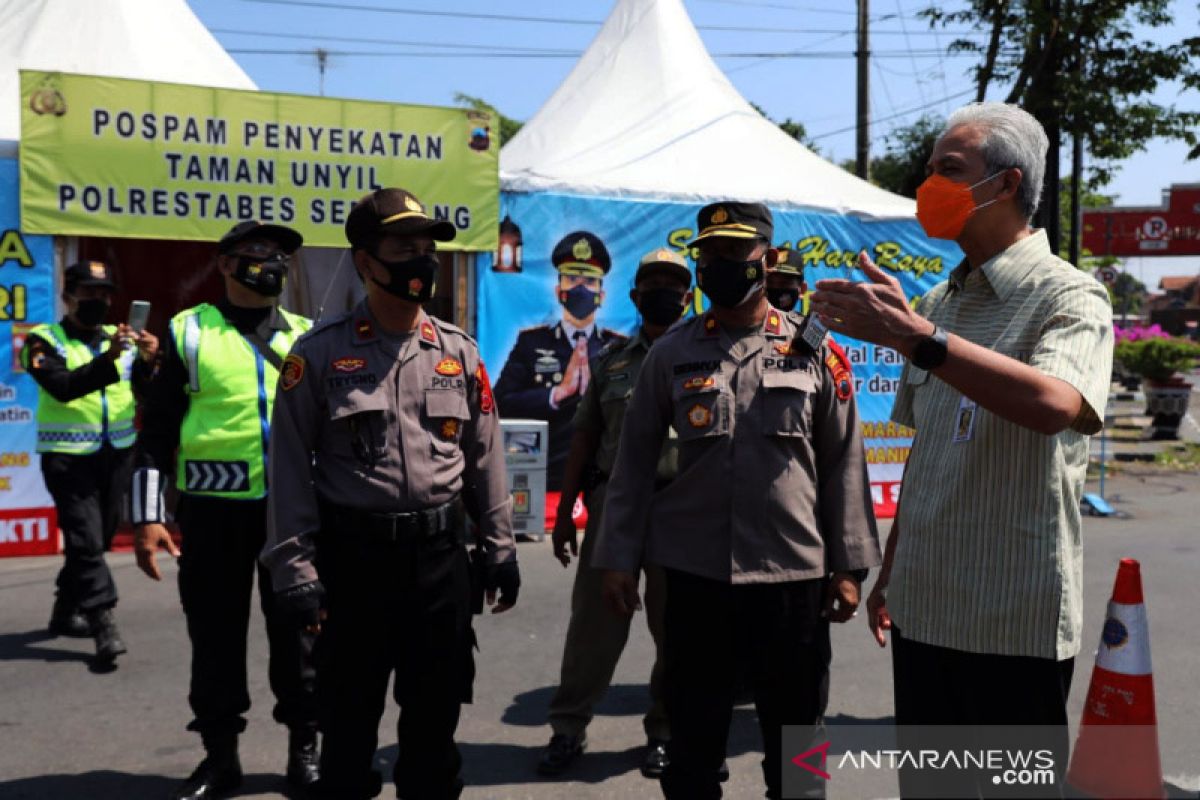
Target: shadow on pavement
<point x="23" y="647"/>
<point x="529" y="709"/>
<point x="111" y="785"/>
<point x="502" y="764"/>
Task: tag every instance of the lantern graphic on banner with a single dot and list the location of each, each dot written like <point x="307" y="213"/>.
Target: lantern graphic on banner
<point x="508" y="253"/>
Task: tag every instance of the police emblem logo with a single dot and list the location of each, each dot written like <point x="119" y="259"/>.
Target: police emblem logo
<point x="253" y="270"/>
<point x="582" y="250"/>
<point x="97" y="270"/>
<point x="751" y="272"/>
<point x="699" y="416"/>
<point x="449" y="429"/>
<point x="291" y="372"/>
<point x="699" y="382"/>
<point x="449" y="367"/>
<point x="486" y="401"/>
<point x="415" y="286"/>
<point x="719" y="217"/>
<point x="348" y="364"/>
<point x="783" y="348"/>
<point x="411" y="204"/>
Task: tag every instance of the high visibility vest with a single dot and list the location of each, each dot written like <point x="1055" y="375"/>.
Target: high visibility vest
<point x="81" y="426"/>
<point x="231" y="391"/>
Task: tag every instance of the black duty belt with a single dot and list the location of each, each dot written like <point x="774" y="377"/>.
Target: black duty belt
<point x="393" y="527"/>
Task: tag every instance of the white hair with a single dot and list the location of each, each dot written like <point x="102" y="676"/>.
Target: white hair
<point x="1012" y="138"/>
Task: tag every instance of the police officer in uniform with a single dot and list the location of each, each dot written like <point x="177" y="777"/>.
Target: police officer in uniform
<point x="767" y="530"/>
<point x="384" y="433"/>
<point x="596" y="636"/>
<point x="548" y="370"/>
<point x="86" y="373"/>
<point x="206" y="422"/>
<point x="785" y="282"/>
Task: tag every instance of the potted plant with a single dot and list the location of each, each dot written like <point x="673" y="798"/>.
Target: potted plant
<point x="1159" y="358"/>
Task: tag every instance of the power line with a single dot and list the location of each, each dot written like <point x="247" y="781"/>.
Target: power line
<point x="828" y="54"/>
<point x="410" y="43"/>
<point x="899" y="114"/>
<point x="423" y="12"/>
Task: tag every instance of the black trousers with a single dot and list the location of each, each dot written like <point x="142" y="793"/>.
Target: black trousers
<point x="222" y="539"/>
<point x="88" y="492"/>
<point x="771" y="633"/>
<point x="393" y="607"/>
<point x="937" y="686"/>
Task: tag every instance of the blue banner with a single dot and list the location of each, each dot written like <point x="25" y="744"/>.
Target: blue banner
<point x="517" y="291"/>
<point x="26" y="300"/>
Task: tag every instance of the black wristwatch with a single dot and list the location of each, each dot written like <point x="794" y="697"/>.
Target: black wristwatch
<point x="930" y="353"/>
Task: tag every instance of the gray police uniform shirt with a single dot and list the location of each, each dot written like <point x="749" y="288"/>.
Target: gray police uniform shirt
<point x="381" y="423"/>
<point x="772" y="483"/>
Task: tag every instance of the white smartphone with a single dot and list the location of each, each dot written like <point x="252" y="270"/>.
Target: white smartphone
<point x="139" y="315"/>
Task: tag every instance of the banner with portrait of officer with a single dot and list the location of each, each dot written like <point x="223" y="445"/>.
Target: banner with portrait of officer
<point x="531" y="308"/>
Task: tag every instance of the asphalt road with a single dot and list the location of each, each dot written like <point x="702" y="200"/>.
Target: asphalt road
<point x="66" y="732"/>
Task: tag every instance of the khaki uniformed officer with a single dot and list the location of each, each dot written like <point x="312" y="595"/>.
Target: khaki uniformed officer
<point x="384" y="429"/>
<point x="767" y="530"/>
<point x="596" y="636"/>
<point x="785" y="281"/>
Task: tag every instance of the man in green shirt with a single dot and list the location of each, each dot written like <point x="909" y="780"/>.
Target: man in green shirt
<point x="1008" y="370"/>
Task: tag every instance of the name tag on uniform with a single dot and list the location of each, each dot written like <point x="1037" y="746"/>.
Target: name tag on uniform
<point x="964" y="421"/>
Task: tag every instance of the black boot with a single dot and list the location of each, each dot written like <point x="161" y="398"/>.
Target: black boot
<point x="108" y="639"/>
<point x="67" y="620"/>
<point x="303" y="761"/>
<point x="218" y="773"/>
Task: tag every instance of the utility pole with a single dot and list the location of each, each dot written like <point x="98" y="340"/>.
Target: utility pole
<point x="322" y="63"/>
<point x="862" y="149"/>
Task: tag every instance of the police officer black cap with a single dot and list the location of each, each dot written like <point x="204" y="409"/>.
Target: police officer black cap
<point x="734" y="221"/>
<point x="581" y="253"/>
<point x="88" y="273"/>
<point x="790" y="263"/>
<point x="285" y="237"/>
<point x="393" y="211"/>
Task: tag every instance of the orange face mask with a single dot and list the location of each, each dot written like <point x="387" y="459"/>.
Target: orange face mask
<point x="944" y="206"/>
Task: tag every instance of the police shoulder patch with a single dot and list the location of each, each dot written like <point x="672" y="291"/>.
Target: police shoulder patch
<point x="486" y="401"/>
<point x="291" y="372"/>
<point x="839" y="368"/>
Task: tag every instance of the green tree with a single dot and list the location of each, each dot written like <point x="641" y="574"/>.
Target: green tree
<point x="508" y="126"/>
<point x="901" y="168"/>
<point x="1078" y="67"/>
<point x="792" y="128"/>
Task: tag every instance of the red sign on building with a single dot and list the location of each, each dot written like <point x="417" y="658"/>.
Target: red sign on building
<point x="1172" y="229"/>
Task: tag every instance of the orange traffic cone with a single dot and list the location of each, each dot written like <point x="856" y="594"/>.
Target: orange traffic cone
<point x="1116" y="753"/>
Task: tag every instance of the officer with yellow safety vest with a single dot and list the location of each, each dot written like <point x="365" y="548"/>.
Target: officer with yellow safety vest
<point x="85" y="371"/>
<point x="206" y="422"/>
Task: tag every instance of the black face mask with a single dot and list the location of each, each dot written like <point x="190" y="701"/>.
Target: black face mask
<point x="728" y="284"/>
<point x="262" y="276"/>
<point x="91" y="313"/>
<point x="660" y="306"/>
<point x="413" y="279"/>
<point x="783" y="298"/>
<point x="579" y="301"/>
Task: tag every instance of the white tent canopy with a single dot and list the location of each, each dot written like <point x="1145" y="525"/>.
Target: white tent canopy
<point x="647" y="114"/>
<point x="159" y="40"/>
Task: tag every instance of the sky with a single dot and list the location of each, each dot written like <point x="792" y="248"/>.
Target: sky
<point x="910" y="73"/>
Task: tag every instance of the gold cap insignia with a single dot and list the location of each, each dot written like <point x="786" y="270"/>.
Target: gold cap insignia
<point x="97" y="269"/>
<point x="411" y="204"/>
<point x="582" y="250"/>
<point x="719" y="216"/>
